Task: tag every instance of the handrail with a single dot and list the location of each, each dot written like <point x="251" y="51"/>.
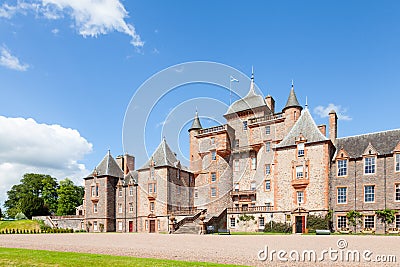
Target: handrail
<point x="188" y="219"/>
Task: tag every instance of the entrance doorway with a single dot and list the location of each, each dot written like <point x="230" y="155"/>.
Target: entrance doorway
<point x="130" y="226"/>
<point x="152" y="226"/>
<point x="300" y="224"/>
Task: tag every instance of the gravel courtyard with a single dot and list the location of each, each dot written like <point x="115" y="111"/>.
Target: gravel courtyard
<point x="210" y="248"/>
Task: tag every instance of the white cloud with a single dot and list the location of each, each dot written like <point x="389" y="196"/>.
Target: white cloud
<point x="9" y="61"/>
<point x="323" y="112"/>
<point x="28" y="146"/>
<point x="92" y="18"/>
<point x="55" y="31"/>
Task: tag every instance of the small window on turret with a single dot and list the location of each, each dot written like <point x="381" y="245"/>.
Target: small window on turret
<point x="245" y="125"/>
<point x="300" y="150"/>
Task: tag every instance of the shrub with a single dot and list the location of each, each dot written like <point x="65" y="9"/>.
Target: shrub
<point x="317" y="222"/>
<point x="277" y="227"/>
<point x="246" y="218"/>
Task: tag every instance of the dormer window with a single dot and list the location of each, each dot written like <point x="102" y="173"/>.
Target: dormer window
<point x="299" y="172"/>
<point x="300" y="150"/>
<point x="236" y="187"/>
<point x="369" y="165"/>
<point x="397" y="161"/>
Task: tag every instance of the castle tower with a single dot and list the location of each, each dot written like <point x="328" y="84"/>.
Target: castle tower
<point x="195" y="159"/>
<point x="292" y="110"/>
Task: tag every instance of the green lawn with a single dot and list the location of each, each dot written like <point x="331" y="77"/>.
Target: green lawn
<point x="25" y="257"/>
<point x="22" y="225"/>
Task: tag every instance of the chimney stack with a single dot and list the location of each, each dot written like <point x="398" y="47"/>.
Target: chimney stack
<point x="270" y="103"/>
<point x="333" y="126"/>
<point x="322" y="129"/>
<point x="129" y="163"/>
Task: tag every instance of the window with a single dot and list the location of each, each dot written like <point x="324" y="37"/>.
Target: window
<point x="268" y="169"/>
<point x="268" y="185"/>
<point x="213" y="192"/>
<point x="261" y="222"/>
<point x="267" y="146"/>
<point x="397" y="221"/>
<point x="213" y="177"/>
<point x="300" y="197"/>
<point x="131" y="190"/>
<point x="237" y="143"/>
<point x="299" y="172"/>
<point x="212" y="139"/>
<point x="152" y="206"/>
<point x="120" y="226"/>
<point x="253" y="163"/>
<point x="300" y="150"/>
<point x="253" y="186"/>
<point x="342" y="167"/>
<point x="369" y="165"/>
<point x="120" y="192"/>
<point x="236" y="165"/>
<point x="95" y="228"/>
<point x="342" y="222"/>
<point x="267" y="129"/>
<point x="130" y="207"/>
<point x="369" y="193"/>
<point x="233" y="222"/>
<point x="95" y="207"/>
<point x="245" y="125"/>
<point x="154" y="188"/>
<point x="397" y="192"/>
<point x="95" y="190"/>
<point x="369" y="221"/>
<point x="119" y="207"/>
<point x="150" y="188"/>
<point x="342" y="195"/>
<point x="196" y="193"/>
<point x="213" y="155"/>
<point x="397" y="160"/>
<point x="236" y="187"/>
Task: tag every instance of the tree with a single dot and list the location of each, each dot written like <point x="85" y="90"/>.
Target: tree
<point x="35" y="195"/>
<point x="354" y="218"/>
<point x="1" y="214"/>
<point x="387" y="216"/>
<point x="69" y="197"/>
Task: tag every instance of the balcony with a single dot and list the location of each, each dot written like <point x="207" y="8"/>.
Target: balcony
<point x="263" y="120"/>
<point x="255" y="209"/>
<point x="243" y="195"/>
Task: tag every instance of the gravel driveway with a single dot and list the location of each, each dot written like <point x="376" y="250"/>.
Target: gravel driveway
<point x="209" y="248"/>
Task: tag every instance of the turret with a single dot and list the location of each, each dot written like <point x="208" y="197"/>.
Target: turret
<point x="292" y="110"/>
<point x="195" y="160"/>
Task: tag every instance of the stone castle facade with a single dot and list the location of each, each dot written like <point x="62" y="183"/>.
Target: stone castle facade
<point x="273" y="165"/>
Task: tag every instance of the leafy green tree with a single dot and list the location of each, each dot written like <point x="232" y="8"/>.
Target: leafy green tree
<point x="69" y="197"/>
<point x="1" y="214"/>
<point x="35" y="195"/>
<point x="387" y="216"/>
<point x="354" y="218"/>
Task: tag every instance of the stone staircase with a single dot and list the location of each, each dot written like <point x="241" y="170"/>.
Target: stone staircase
<point x="189" y="228"/>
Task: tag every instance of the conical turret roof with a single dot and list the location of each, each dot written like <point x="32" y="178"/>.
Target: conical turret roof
<point x="108" y="167"/>
<point x="196" y="123"/>
<point x="292" y="100"/>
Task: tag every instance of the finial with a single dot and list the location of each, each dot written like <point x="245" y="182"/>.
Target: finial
<point x="292" y="83"/>
<point x="306" y="102"/>
<point x="109" y="151"/>
<point x="252" y="72"/>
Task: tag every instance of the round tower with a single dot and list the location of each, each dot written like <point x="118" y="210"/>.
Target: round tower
<point x="292" y="110"/>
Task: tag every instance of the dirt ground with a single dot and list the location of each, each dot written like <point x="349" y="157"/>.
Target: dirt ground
<point x="243" y="250"/>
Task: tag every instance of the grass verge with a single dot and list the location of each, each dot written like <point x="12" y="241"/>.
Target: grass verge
<point x="27" y="257"/>
<point x="21" y="225"/>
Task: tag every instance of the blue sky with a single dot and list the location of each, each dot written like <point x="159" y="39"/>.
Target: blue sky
<point x="73" y="66"/>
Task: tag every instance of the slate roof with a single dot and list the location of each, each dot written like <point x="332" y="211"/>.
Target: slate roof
<point x="292" y="100"/>
<point x="305" y="126"/>
<point x="108" y="167"/>
<point x="384" y="143"/>
<point x="196" y="123"/>
<point x="162" y="156"/>
<point x="250" y="101"/>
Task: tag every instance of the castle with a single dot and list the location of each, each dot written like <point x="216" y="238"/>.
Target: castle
<point x="270" y="165"/>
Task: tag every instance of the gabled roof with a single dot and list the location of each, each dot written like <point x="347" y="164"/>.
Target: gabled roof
<point x="250" y="101"/>
<point x="292" y="100"/>
<point x="306" y="127"/>
<point x="131" y="178"/>
<point x="383" y="142"/>
<point x="196" y="123"/>
<point x="108" y="167"/>
<point x="162" y="156"/>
